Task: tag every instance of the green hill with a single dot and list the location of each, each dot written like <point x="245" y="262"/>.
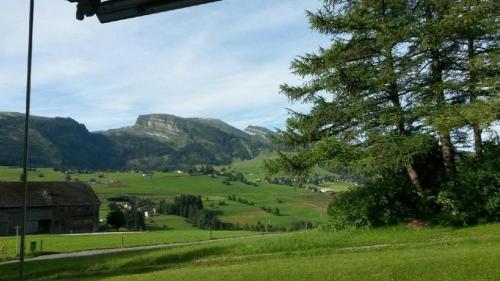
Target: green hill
<point x="155" y="142"/>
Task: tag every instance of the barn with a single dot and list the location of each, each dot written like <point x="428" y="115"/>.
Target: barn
<point x="53" y="207"/>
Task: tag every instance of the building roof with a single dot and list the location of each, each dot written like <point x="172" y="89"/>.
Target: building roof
<point x="47" y="194"/>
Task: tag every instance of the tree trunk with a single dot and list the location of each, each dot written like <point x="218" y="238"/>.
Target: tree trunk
<point x="400" y="121"/>
<point x="393" y="92"/>
<point x="439" y="96"/>
<point x="414" y="177"/>
<point x="448" y="154"/>
<point x="478" y="142"/>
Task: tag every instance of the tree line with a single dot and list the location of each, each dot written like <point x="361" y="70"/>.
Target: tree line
<point x="191" y="207"/>
<point x="416" y="82"/>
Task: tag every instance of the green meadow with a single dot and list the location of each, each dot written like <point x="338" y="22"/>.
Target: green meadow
<point x="295" y="204"/>
<point x="395" y="253"/>
<point x="178" y="231"/>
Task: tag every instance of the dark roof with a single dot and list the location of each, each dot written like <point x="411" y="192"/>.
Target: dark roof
<point x="46" y="194"/>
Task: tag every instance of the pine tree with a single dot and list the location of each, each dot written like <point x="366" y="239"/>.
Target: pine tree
<point x="477" y="62"/>
<point x="402" y="76"/>
<point x="452" y="50"/>
<point x="358" y="88"/>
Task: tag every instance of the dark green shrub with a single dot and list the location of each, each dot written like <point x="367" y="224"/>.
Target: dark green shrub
<point x="116" y="219"/>
<point x="493" y="208"/>
<point x="385" y="201"/>
<point x="301" y="225"/>
<point x="475" y="196"/>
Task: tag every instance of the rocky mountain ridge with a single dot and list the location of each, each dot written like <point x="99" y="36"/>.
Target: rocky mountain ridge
<point x="155" y="141"/>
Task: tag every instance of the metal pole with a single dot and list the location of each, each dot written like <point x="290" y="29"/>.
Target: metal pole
<point x="17" y="240"/>
<point x="26" y="141"/>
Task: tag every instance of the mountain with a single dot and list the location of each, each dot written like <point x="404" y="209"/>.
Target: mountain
<point x="54" y="142"/>
<point x="262" y="132"/>
<point x="184" y="141"/>
<point x="156" y="141"/>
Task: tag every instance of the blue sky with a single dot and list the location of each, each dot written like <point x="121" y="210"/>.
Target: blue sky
<point x="224" y="60"/>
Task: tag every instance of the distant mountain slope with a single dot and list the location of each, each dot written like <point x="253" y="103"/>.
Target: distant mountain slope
<point x="55" y="142"/>
<point x="156" y="141"/>
<point x="262" y="132"/>
<point x="191" y="141"/>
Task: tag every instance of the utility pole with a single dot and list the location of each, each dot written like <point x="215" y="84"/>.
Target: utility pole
<point x="26" y="141"/>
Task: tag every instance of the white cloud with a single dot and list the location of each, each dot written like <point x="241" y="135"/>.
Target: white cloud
<point x="224" y="60"/>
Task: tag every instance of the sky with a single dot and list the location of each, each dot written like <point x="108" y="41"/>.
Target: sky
<point x="224" y="60"/>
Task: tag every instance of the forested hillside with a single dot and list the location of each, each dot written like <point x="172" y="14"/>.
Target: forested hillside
<point x="155" y="142"/>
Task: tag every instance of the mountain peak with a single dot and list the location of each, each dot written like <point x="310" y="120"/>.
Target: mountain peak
<point x="166" y="123"/>
<point x="259" y="131"/>
<point x="154" y="142"/>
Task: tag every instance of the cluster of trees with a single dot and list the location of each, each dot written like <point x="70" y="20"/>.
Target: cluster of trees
<point x="310" y="179"/>
<point x="229" y="177"/>
<point x="274" y="211"/>
<point x="240" y="200"/>
<point x="191" y="207"/>
<point x="202" y="170"/>
<point x="74" y="171"/>
<point x="417" y="83"/>
<point x="236" y="176"/>
<point x="132" y="218"/>
<point x="121" y="198"/>
<point x="290" y="181"/>
<point x="182" y="206"/>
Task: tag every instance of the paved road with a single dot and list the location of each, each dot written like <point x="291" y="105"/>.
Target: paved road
<point x="128" y="249"/>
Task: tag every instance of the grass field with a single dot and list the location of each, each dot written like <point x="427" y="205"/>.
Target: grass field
<point x="471" y="254"/>
<point x="294" y="204"/>
<point x="181" y="231"/>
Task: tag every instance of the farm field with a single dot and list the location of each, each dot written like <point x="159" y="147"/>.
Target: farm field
<point x="397" y="253"/>
<point x="295" y="204"/>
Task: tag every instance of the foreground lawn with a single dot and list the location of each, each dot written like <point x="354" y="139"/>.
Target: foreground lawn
<point x="72" y="243"/>
<point x="382" y="254"/>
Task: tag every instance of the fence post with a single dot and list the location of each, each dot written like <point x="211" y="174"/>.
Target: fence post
<point x="17" y="240"/>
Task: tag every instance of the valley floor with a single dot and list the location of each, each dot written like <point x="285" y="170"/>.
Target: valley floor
<point x="382" y="254"/>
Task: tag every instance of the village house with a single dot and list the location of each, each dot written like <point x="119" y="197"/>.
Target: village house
<point x="149" y="212"/>
<point x="53" y="207"/>
<point x="92" y="181"/>
<point x="326" y="190"/>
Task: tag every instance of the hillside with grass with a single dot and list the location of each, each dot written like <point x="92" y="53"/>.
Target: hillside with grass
<point x="395" y="253"/>
<point x="294" y="204"/>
